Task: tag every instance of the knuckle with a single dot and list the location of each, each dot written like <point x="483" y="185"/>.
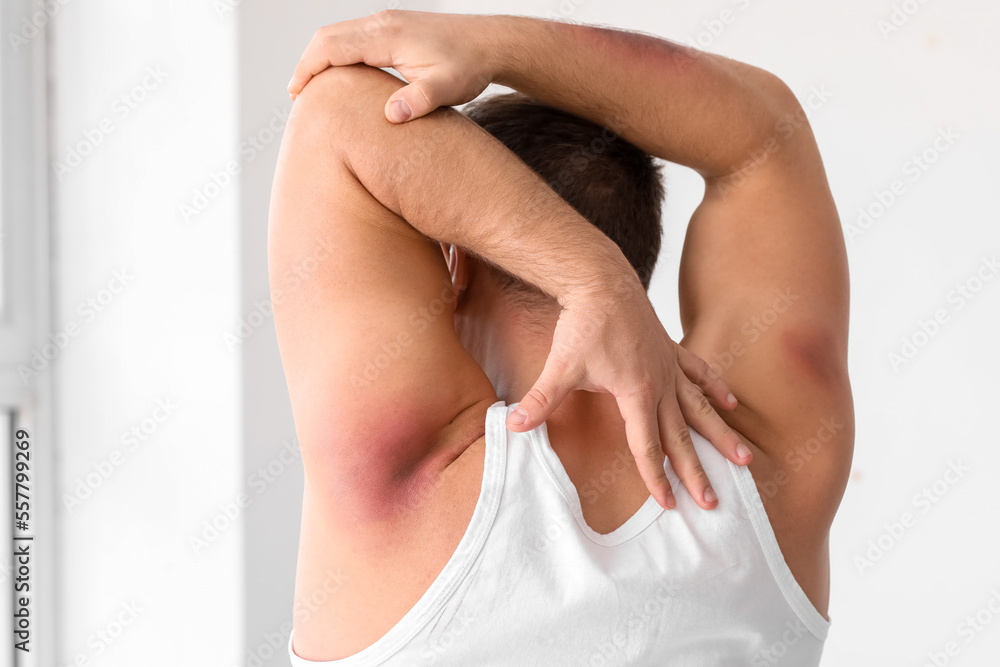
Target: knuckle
<point x="697" y="470"/>
<point x="709" y="372"/>
<point x="702" y="408"/>
<point x="383" y="20"/>
<point x="652" y="450"/>
<point x="683" y="438"/>
<point x="424" y="89"/>
<point x="706" y="375"/>
<point x="381" y="17"/>
<point x="326" y="40"/>
<point x="695" y="368"/>
<point x="537" y="395"/>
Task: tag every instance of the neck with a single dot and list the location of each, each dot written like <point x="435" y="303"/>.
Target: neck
<point x="512" y="343"/>
<point x="586" y="430"/>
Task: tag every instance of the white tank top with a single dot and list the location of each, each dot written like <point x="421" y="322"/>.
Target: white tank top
<point x="531" y="584"/>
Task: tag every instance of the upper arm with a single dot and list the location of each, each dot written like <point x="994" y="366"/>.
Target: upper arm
<point x="363" y="309"/>
<point x="764" y="299"/>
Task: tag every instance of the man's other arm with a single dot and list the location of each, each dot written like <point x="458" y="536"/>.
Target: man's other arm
<point x="764" y="291"/>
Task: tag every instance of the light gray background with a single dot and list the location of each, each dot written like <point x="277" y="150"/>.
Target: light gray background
<point x="164" y="337"/>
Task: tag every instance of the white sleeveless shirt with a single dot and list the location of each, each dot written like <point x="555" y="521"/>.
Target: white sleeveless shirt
<point x="531" y="584"/>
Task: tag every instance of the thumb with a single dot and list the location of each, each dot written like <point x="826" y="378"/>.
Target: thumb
<point x="414" y="100"/>
<point x="542" y="399"/>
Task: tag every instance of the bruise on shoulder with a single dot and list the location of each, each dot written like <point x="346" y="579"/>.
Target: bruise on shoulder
<point x="360" y="467"/>
<point x="389" y="477"/>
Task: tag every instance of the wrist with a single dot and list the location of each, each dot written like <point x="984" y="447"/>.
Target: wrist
<point x="612" y="281"/>
<point x="504" y="39"/>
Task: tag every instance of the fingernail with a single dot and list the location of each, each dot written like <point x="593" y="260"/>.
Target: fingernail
<point x="671" y="502"/>
<point x="517" y="417"/>
<point x="710" y="496"/>
<point x="742" y="451"/>
<point x="399" y="111"/>
<point x="290" y="82"/>
<point x="731" y="398"/>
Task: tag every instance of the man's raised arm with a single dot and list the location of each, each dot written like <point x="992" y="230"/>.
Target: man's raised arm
<point x="453" y="182"/>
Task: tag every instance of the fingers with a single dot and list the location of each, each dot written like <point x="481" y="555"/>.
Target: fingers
<point x="681" y="452"/>
<point x="700" y="414"/>
<point x="346" y="43"/>
<point x="414" y="100"/>
<point x="542" y="399"/>
<point x="702" y="375"/>
<point x="644" y="443"/>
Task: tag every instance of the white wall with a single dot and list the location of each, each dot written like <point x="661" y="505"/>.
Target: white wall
<point x="126" y="566"/>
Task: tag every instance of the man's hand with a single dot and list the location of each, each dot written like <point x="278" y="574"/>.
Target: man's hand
<point x="434" y="52"/>
<point x="615" y="343"/>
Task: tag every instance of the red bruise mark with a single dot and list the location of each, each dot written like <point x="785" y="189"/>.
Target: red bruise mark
<point x="815" y="353"/>
<point x="651" y="49"/>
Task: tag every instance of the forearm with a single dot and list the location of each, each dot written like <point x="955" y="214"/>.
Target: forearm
<point x="455" y="183"/>
<point x="690" y="107"/>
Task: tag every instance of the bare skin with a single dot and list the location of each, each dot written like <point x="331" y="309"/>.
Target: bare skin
<point x="394" y="467"/>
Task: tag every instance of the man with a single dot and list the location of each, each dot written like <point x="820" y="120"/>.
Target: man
<point x="462" y="535"/>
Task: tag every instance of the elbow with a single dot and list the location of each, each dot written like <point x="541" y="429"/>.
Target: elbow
<point x="334" y="103"/>
<point x="787" y="114"/>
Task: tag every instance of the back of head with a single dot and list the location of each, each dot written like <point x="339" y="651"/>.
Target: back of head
<point x="610" y="182"/>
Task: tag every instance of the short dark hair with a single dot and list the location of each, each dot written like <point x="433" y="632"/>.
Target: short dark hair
<point x="610" y="182"/>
